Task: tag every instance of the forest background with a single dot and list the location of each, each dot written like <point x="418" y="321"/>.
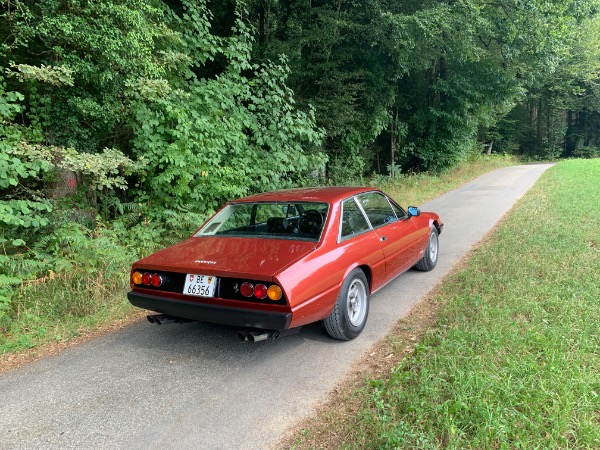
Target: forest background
<point x="124" y="123"/>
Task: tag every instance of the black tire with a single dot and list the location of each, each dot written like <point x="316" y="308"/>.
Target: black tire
<point x="430" y="257"/>
<point x="349" y="315"/>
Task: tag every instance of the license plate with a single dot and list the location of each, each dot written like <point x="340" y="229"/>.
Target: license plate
<point x="200" y="285"/>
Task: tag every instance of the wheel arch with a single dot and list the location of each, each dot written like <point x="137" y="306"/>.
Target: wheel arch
<point x="438" y="225"/>
<point x="365" y="268"/>
<point x="368" y="274"/>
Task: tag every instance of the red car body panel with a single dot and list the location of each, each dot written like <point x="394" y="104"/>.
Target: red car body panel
<point x="315" y="288"/>
<point x="231" y="256"/>
<point x="310" y="273"/>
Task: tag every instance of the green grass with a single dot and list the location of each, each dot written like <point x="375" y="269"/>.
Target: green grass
<point x="514" y="358"/>
<point x="60" y="307"/>
<point x="93" y="293"/>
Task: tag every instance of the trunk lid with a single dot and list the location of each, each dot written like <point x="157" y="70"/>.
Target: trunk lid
<point x="229" y="256"/>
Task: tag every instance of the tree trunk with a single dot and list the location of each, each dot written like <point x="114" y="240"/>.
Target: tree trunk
<point x="393" y="142"/>
<point x="533" y="114"/>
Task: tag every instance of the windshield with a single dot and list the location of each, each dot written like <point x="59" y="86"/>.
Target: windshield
<point x="281" y="220"/>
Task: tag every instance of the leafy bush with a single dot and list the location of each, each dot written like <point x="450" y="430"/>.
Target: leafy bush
<point x="30" y="215"/>
<point x="205" y="140"/>
<point x="587" y="152"/>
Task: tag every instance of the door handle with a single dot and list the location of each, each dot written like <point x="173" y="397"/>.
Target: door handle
<point x="383" y="238"/>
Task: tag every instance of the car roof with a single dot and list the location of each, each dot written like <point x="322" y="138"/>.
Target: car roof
<point x="329" y="194"/>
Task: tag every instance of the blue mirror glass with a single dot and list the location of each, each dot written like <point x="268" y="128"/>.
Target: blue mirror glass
<point x="413" y="211"/>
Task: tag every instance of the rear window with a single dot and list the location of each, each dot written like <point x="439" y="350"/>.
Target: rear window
<point x="281" y="220"/>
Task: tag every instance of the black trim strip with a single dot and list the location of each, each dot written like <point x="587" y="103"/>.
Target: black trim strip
<point x="241" y="317"/>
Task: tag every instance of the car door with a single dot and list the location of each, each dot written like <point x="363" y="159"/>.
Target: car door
<point x="397" y="233"/>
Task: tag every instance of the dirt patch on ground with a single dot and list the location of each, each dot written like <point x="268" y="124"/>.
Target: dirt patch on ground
<point x="12" y="361"/>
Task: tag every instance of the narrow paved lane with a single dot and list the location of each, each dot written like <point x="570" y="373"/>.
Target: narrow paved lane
<point x="196" y="386"/>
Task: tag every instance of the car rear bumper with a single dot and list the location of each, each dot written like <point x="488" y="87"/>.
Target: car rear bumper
<point x="241" y="317"/>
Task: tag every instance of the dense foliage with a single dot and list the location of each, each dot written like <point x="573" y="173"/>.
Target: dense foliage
<point x="418" y="84"/>
<point x="122" y="119"/>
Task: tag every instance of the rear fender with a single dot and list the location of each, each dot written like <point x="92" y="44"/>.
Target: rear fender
<point x="315" y="310"/>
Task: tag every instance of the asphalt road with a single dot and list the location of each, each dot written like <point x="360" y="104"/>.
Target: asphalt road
<point x="196" y="386"/>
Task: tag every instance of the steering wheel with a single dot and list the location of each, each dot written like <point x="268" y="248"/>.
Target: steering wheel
<point x="310" y="221"/>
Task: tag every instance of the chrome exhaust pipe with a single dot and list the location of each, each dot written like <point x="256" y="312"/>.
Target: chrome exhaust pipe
<point x="258" y="336"/>
<point x="163" y="319"/>
<point x="265" y="335"/>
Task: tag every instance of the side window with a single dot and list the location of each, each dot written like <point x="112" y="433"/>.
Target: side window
<point x="377" y="208"/>
<point x="353" y="220"/>
<point x="400" y="213"/>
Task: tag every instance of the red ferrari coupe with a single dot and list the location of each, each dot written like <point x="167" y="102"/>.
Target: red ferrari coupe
<point x="283" y="259"/>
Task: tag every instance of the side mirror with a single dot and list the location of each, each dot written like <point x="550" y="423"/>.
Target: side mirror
<point x="413" y="211"/>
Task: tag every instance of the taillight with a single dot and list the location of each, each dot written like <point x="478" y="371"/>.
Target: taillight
<point x="146" y="279"/>
<point x="247" y="289"/>
<point x="260" y="291"/>
<point x="136" y="277"/>
<point x="156" y="280"/>
<point x="274" y="292"/>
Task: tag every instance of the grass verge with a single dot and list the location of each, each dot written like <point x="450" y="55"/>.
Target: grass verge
<point x="58" y="308"/>
<point x="512" y="359"/>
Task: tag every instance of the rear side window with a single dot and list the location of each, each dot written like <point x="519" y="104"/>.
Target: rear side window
<point x="353" y="220"/>
<point x="378" y="209"/>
